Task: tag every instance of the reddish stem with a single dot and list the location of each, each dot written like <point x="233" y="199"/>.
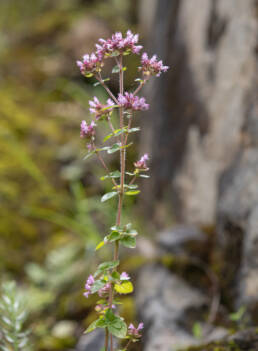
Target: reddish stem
<point x="122" y="177"/>
<point x="99" y="78"/>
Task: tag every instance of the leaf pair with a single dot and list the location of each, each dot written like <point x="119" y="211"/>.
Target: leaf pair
<point x="115" y="324"/>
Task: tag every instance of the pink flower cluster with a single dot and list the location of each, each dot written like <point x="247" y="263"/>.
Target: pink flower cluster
<point x="103" y="291"/>
<point x="99" y="109"/>
<point x="118" y="44"/>
<point x="90" y="281"/>
<point x="141" y="164"/>
<point x="152" y="66"/>
<point x="132" y="330"/>
<point x="124" y="276"/>
<point x="88" y="286"/>
<point x="90" y="64"/>
<point x="101" y="307"/>
<point x="87" y="130"/>
<point x="131" y="102"/>
<point x="114" y="46"/>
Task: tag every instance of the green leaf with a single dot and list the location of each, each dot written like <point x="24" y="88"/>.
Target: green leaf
<point x="99" y="246"/>
<point x="105" y="148"/>
<point x="91" y="327"/>
<point x="144" y="176"/>
<point x="115" y="275"/>
<point x="113" y="236"/>
<point x="133" y="130"/>
<point x="115" y="69"/>
<point x="130" y="174"/>
<point x="117" y="228"/>
<point x="114" y="53"/>
<point x="124" y="288"/>
<point x="116" y="326"/>
<point x="88" y="75"/>
<point x="132" y="192"/>
<point x="102" y="323"/>
<point x="98" y="284"/>
<point x="89" y="154"/>
<point x="132" y="186"/>
<point x="128" y="241"/>
<point x="108" y="196"/>
<point x="106" y="266"/>
<point x="116" y="147"/>
<point x="132" y="232"/>
<point x="103" y="80"/>
<point x="115" y="133"/>
<point x="115" y="174"/>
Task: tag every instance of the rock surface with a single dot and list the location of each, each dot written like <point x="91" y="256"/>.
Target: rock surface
<point x="246" y="340"/>
<point x="181" y="239"/>
<point x="92" y="341"/>
<point x="205" y="122"/>
<point x="165" y="302"/>
<point x="203" y="103"/>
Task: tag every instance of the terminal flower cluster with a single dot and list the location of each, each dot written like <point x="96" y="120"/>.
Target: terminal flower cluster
<point x="132" y="330"/>
<point x="152" y="66"/>
<point x="90" y="64"/>
<point x="119" y="45"/>
<point x="90" y="281"/>
<point x="87" y="130"/>
<point x="107" y="282"/>
<point x="141" y="164"/>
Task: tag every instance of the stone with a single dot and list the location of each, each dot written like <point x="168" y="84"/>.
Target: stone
<point x="244" y="340"/>
<point x="237" y="229"/>
<point x="183" y="239"/>
<point x="165" y="302"/>
<point x="92" y="341"/>
<point x="202" y="114"/>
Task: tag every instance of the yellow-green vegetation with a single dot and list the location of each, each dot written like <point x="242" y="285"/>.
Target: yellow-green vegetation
<point x="50" y="225"/>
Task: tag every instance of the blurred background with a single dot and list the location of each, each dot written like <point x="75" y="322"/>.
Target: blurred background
<point x="196" y="266"/>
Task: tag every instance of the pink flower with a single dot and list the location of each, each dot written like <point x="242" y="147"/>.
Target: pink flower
<point x="152" y="66"/>
<point x="119" y="44"/>
<point x="89" y="147"/>
<point x="88" y="285"/>
<point x="124" y="276"/>
<point x="131" y="102"/>
<point x="99" y="109"/>
<point x="104" y="290"/>
<point x="132" y="330"/>
<point x="87" y="130"/>
<point x="101" y="308"/>
<point x="90" y="64"/>
<point x="141" y="164"/>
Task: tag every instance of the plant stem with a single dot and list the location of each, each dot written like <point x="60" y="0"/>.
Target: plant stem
<point x="122" y="178"/>
<point x="140" y="86"/>
<point x="99" y="78"/>
<point x="106" y="167"/>
<point x="106" y="339"/>
<point x="127" y="345"/>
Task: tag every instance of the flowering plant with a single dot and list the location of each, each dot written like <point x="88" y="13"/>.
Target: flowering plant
<point x="107" y="282"/>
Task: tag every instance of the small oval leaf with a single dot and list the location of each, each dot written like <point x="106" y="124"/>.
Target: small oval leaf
<point x="108" y="196"/>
